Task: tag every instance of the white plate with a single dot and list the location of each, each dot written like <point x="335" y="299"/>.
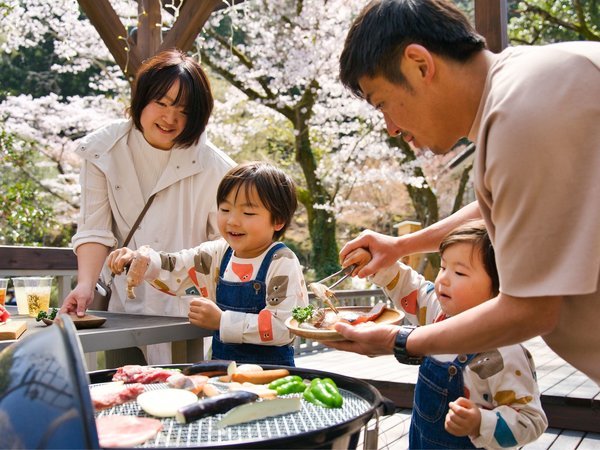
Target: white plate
<point x="165" y="402"/>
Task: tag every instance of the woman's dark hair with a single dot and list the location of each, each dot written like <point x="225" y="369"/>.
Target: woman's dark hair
<point x="154" y="79"/>
<point x="276" y="190"/>
<point x="475" y="234"/>
<point x="379" y="35"/>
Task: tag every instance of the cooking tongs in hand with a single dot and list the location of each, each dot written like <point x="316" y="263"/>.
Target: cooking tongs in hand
<point x="346" y="271"/>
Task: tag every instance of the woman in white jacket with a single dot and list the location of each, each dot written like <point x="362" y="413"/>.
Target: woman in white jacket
<point x="162" y="149"/>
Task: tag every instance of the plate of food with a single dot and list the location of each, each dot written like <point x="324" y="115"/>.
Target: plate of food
<point x="87" y="321"/>
<point x="317" y="323"/>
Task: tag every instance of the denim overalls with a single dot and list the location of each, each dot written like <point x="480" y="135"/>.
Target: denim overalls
<point x="439" y="383"/>
<point x="248" y="297"/>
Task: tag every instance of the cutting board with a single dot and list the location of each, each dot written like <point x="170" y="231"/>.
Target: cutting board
<point x="12" y="329"/>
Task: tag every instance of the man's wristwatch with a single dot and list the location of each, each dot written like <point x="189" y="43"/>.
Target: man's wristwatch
<point x="400" y="347"/>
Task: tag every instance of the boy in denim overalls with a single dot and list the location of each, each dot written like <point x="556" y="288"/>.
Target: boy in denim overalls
<point x="489" y="399"/>
<point x="246" y="284"/>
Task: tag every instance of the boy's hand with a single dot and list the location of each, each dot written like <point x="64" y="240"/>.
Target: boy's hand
<point x="205" y="313"/>
<point x="359" y="256"/>
<point x="463" y="418"/>
<point x="118" y="259"/>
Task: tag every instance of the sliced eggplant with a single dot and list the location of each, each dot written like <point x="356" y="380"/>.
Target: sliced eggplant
<point x="165" y="402"/>
<point x="260" y="410"/>
<point x="218" y="404"/>
<point x="209" y="368"/>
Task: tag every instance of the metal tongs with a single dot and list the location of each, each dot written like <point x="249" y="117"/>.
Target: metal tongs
<point x="346" y="271"/>
<point x="325" y="293"/>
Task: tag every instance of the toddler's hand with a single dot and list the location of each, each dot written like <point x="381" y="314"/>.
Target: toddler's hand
<point x="205" y="313"/>
<point x="463" y="418"/>
<point x="359" y="256"/>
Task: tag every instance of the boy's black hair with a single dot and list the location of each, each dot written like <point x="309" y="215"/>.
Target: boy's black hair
<point x="276" y="190"/>
<point x="154" y="79"/>
<point x="475" y="234"/>
<point x="379" y="35"/>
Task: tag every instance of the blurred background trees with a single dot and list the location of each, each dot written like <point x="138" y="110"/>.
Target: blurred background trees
<point x="273" y="65"/>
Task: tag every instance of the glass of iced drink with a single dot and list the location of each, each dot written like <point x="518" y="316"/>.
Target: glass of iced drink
<point x="3" y="286"/>
<point x="33" y="294"/>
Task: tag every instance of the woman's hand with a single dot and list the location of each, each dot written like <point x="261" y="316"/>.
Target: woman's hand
<point x="205" y="313"/>
<point x="383" y="250"/>
<point x="463" y="418"/>
<point x="78" y="300"/>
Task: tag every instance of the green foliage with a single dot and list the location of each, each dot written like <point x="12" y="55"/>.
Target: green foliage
<point x="30" y="71"/>
<point x="535" y="22"/>
<point x="26" y="211"/>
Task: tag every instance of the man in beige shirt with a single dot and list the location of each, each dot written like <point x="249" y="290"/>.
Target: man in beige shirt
<point x="534" y="115"/>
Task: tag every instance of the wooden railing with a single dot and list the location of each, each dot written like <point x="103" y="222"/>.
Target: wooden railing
<point x="19" y="261"/>
<point x="16" y="261"/>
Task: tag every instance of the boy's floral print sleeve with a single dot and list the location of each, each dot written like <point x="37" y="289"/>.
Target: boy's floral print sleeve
<point x="410" y="292"/>
<point x="187" y="272"/>
<point x="503" y="382"/>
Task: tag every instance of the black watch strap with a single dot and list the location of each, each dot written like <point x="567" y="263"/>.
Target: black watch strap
<point x="400" y="347"/>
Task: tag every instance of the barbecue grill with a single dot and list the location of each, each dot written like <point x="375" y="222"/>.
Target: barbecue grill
<point x="45" y="403"/>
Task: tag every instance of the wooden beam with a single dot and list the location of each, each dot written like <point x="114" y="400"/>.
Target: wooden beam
<point x="491" y="21"/>
<point x="149" y="28"/>
<point x="188" y="25"/>
<point x="106" y="21"/>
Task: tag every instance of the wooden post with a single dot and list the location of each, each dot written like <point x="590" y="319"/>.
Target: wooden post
<point x="491" y="21"/>
<point x="128" y="54"/>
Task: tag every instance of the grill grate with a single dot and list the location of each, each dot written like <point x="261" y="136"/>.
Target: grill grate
<point x="205" y="432"/>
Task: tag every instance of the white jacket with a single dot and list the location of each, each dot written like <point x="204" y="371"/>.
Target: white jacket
<point x="182" y="215"/>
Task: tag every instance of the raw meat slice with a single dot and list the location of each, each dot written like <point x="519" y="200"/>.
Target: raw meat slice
<point x="126" y="431"/>
<point x="112" y="394"/>
<point x="142" y="374"/>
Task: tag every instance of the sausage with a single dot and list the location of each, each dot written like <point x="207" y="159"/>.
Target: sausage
<point x="214" y="405"/>
<point x="262" y="377"/>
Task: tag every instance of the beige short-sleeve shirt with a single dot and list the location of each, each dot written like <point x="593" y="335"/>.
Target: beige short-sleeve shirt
<point x="537" y="178"/>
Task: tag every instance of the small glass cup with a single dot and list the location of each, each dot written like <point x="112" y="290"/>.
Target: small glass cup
<point x="3" y="286"/>
<point x="33" y="294"/>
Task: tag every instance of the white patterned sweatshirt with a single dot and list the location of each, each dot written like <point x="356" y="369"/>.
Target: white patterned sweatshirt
<point x="195" y="272"/>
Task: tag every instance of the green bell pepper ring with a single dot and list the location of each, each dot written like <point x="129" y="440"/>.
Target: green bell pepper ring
<point x="281" y="381"/>
<point x="326" y="393"/>
<point x="291" y="387"/>
<point x="310" y="397"/>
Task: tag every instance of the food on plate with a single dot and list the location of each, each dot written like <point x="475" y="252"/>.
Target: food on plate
<point x="292" y="384"/>
<point x="218" y="404"/>
<point x="302" y="314"/>
<point x="142" y="374"/>
<point x="44" y="315"/>
<point x="261" y="390"/>
<point x="165" y="402"/>
<point x="192" y="383"/>
<point x="259" y="410"/>
<point x="323" y="392"/>
<point x="113" y="394"/>
<point x="126" y="431"/>
<point x="244" y="368"/>
<point x="259" y="377"/>
<point x="325" y="318"/>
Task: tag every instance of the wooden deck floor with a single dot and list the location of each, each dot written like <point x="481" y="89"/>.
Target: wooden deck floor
<point x="559" y="383"/>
